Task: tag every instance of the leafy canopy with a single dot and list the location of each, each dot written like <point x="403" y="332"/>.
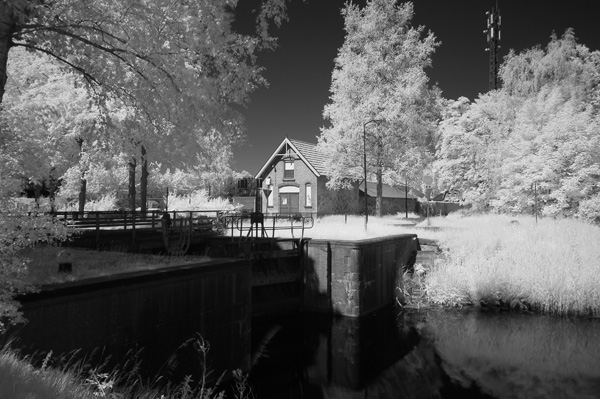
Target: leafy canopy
<point x="380" y="88"/>
<point x="533" y="144"/>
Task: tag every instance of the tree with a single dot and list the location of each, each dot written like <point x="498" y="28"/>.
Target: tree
<point x="177" y="65"/>
<point x="160" y="50"/>
<point x="49" y="115"/>
<point x="533" y="145"/>
<point x="379" y="76"/>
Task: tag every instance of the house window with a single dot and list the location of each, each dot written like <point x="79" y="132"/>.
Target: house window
<point x="270" y="197"/>
<point x="308" y="196"/>
<point x="288" y="171"/>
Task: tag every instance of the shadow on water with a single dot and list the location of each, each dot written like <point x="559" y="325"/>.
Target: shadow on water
<point x="439" y="354"/>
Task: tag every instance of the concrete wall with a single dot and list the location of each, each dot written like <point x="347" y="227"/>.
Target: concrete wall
<point x="156" y="310"/>
<point x="354" y="278"/>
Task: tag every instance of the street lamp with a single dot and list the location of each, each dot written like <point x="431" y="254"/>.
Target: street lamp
<point x="365" y="165"/>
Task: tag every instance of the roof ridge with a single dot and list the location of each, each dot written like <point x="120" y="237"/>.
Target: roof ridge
<point x="302" y="141"/>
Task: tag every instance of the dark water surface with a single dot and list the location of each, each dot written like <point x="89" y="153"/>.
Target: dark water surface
<point x="434" y="354"/>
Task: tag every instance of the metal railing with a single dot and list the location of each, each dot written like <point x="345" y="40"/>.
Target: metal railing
<point x="257" y="224"/>
<point x="218" y="222"/>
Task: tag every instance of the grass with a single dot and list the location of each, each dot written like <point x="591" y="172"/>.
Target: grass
<point x="19" y="379"/>
<point x="552" y="266"/>
<point x="43" y="268"/>
<point x="340" y="227"/>
<point x="64" y="378"/>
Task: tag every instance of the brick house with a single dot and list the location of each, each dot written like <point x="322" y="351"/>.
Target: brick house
<point x="293" y="182"/>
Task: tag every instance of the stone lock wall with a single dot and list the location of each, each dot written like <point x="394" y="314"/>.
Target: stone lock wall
<point x="354" y="278"/>
<point x="156" y="311"/>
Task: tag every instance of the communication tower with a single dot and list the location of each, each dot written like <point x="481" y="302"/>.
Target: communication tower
<point x="494" y="21"/>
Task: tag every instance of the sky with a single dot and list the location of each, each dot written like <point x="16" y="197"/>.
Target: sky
<point x="299" y="70"/>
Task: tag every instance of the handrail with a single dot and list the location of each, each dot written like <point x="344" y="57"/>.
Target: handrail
<point x="258" y="223"/>
<point x="220" y="220"/>
<point x="129" y="219"/>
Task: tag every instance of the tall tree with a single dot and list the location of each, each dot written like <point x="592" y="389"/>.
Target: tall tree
<point x="379" y="94"/>
<point x="50" y="115"/>
<point x="532" y="146"/>
<point x="147" y="52"/>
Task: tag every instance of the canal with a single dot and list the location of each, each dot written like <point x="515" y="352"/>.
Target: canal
<point x="427" y="354"/>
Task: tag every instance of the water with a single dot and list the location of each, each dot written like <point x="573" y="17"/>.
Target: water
<point x="438" y="354"/>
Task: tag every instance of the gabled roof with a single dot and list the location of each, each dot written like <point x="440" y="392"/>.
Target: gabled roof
<point x="307" y="152"/>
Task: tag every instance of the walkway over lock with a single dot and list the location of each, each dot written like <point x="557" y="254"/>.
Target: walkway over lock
<point x="176" y="231"/>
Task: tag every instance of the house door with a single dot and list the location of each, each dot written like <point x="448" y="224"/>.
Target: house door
<point x="289" y="203"/>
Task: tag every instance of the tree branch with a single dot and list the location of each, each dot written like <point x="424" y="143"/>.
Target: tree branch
<point x="90" y="78"/>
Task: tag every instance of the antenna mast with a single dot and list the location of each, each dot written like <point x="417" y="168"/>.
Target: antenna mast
<point x="494" y="20"/>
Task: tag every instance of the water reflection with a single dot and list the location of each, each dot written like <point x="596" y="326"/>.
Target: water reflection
<point x="439" y="354"/>
<point x="518" y="356"/>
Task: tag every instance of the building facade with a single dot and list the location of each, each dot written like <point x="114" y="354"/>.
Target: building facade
<point x="294" y="182"/>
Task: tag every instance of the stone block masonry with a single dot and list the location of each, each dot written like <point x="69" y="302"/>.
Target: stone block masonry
<point x="355" y="278"/>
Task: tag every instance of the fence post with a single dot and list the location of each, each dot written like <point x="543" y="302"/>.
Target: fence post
<point x="132" y="229"/>
<point x="97" y="230"/>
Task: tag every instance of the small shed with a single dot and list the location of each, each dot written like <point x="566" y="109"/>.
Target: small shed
<point x="395" y="199"/>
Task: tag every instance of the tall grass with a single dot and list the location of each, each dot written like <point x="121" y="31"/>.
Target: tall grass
<point x="67" y="378"/>
<point x="20" y="380"/>
<point x="552" y="266"/>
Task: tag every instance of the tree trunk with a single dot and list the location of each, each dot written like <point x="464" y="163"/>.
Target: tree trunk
<point x="131" y="195"/>
<point x="82" y="192"/>
<point x="82" y="178"/>
<point x="144" y="182"/>
<point x="7" y="28"/>
<point x="37" y="192"/>
<point x="52" y="186"/>
<point x="379" y="200"/>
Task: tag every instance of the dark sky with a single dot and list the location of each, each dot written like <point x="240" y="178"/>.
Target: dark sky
<point x="299" y="71"/>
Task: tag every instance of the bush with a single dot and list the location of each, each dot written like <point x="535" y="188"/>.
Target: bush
<point x="21" y="228"/>
<point x="590" y="209"/>
<point x="198" y="201"/>
<point x="107" y="202"/>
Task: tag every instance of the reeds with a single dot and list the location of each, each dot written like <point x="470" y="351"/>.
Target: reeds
<point x="68" y="378"/>
<point x="19" y="379"/>
<point x="550" y="266"/>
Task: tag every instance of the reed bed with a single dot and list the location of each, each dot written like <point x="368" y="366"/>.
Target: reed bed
<point x="550" y="266"/>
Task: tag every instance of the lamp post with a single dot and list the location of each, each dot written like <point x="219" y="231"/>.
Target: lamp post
<point x="365" y="166"/>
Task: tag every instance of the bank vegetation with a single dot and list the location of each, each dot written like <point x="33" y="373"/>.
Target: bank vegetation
<point x="548" y="265"/>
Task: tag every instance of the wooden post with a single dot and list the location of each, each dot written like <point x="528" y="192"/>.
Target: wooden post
<point x="97" y="230"/>
<point x="132" y="230"/>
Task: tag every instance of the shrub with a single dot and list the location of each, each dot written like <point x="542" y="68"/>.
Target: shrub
<point x="590" y="209"/>
<point x="20" y="229"/>
<point x="197" y="201"/>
